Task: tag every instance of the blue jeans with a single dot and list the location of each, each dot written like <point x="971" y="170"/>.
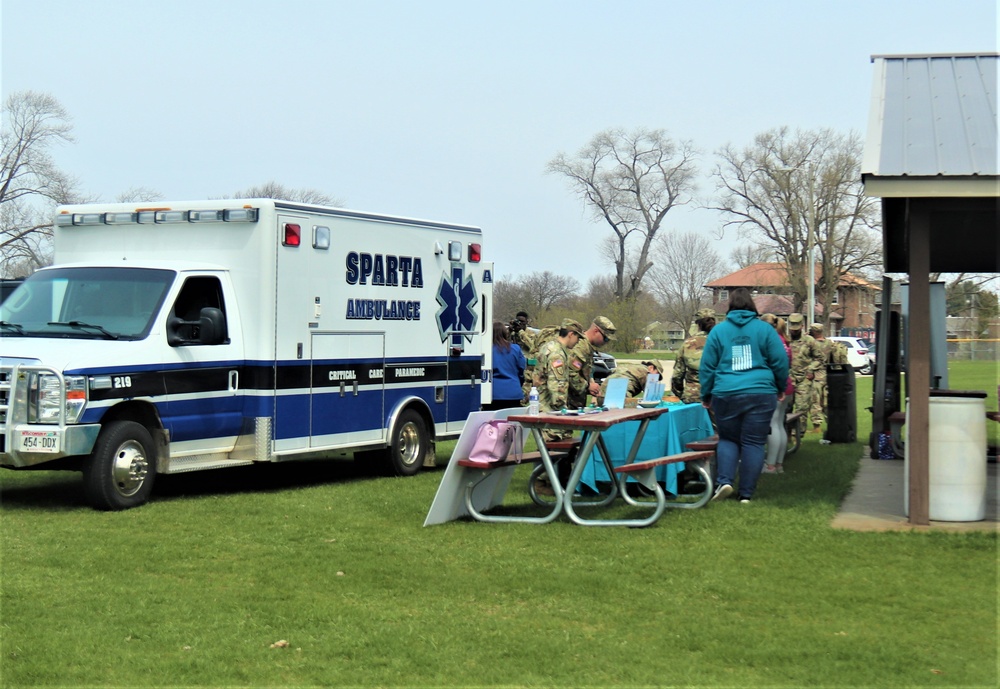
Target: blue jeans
<point x="743" y="422"/>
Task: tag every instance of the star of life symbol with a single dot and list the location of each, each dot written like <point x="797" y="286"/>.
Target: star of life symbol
<point x="457" y="297"/>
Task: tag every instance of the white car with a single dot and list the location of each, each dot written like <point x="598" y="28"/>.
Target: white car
<point x="860" y="354"/>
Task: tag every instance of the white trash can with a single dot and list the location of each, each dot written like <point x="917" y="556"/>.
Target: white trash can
<point x="956" y="456"/>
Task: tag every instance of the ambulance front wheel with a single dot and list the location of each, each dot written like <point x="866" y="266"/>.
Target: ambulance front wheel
<point x="410" y="442"/>
<point x="121" y="469"/>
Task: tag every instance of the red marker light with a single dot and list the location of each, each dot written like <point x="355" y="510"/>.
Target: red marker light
<point x="293" y="235"/>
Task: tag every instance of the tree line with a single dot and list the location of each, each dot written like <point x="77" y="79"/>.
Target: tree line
<point x="786" y="193"/>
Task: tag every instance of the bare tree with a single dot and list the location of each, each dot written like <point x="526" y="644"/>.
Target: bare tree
<point x="274" y="190"/>
<point x="139" y="195"/>
<point x="30" y="183"/>
<point x="537" y="293"/>
<point x="546" y="289"/>
<point x="631" y="180"/>
<point x="682" y="266"/>
<point x="509" y="297"/>
<point x="746" y="255"/>
<point x="782" y="183"/>
<point x="600" y="292"/>
<point x="631" y="318"/>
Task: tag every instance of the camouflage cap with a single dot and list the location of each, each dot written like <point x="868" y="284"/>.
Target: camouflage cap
<point x="655" y="363"/>
<point x="795" y="321"/>
<point x="816" y="328"/>
<point x="606" y="327"/>
<point x="572" y="326"/>
<point x="704" y="313"/>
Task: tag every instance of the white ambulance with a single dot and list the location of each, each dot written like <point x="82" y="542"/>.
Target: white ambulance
<point x="176" y="337"/>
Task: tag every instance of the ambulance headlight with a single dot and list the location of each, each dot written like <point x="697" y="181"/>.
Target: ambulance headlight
<point x="45" y="401"/>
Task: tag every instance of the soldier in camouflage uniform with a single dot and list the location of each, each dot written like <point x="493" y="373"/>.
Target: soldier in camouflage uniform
<point x="519" y="333"/>
<point x="838" y="353"/>
<point x="581" y="359"/>
<point x="684" y="382"/>
<point x="552" y="372"/>
<point x="600" y="332"/>
<point x="805" y="363"/>
<point x="636" y="375"/>
<point x="824" y="351"/>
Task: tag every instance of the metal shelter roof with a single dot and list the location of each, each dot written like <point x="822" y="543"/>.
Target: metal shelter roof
<point x="931" y="154"/>
<point x="932" y="116"/>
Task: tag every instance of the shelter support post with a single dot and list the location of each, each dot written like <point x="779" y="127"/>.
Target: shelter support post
<point x="918" y="367"/>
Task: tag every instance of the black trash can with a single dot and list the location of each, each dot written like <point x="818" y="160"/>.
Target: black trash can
<point x="841" y="404"/>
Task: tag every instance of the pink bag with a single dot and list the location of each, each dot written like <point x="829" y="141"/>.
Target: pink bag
<point x="494" y="440"/>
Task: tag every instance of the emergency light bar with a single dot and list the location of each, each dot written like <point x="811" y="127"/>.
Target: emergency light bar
<point x="159" y="216"/>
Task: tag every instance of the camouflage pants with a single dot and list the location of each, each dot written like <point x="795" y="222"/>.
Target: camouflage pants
<point x="818" y="406"/>
<point x="803" y="401"/>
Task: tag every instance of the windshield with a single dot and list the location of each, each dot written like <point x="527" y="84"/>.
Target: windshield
<point x="90" y="303"/>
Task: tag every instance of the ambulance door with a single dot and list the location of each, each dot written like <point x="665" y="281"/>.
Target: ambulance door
<point x="204" y="411"/>
<point x="485" y="340"/>
<point x="347" y="400"/>
<point x="463" y="390"/>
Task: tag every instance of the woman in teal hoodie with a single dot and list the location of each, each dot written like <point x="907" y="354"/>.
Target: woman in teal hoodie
<point x="743" y="373"/>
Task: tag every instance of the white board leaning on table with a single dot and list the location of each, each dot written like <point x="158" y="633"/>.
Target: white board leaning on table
<point x="449" y="502"/>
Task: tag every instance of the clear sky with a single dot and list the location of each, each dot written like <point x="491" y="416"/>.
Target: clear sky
<point x="449" y="109"/>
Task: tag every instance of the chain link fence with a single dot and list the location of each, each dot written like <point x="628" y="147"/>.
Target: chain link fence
<point x="974" y="350"/>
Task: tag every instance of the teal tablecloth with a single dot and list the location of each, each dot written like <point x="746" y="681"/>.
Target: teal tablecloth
<point x="665" y="435"/>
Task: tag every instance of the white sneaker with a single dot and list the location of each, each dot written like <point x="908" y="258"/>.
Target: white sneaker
<point x="723" y="491"/>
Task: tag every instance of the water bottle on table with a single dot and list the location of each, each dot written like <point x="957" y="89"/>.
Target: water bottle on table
<point x="533" y="401"/>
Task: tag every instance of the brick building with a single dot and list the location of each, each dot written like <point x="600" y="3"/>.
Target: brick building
<point x="854" y="305"/>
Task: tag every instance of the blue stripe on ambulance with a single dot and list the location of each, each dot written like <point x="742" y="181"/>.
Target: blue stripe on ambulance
<point x="202" y="405"/>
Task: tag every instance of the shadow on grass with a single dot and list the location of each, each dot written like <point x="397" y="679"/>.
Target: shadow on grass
<point x="57" y="490"/>
<point x="32" y="490"/>
<point x="262" y="478"/>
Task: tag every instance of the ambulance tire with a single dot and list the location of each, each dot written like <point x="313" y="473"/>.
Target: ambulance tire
<point x="120" y="471"/>
<point x="410" y="442"/>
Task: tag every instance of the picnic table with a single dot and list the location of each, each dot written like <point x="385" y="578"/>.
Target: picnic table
<point x="594" y="424"/>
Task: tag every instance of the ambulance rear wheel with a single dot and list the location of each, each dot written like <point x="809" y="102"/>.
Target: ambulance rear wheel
<point x="121" y="469"/>
<point x="410" y="442"/>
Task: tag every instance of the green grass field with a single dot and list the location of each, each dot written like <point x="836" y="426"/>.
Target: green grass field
<point x="319" y="574"/>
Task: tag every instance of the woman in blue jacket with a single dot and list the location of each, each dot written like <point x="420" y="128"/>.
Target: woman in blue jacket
<point x="508" y="370"/>
<point x="743" y="373"/>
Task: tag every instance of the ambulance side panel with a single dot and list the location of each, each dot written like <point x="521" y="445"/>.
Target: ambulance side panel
<point x="361" y="308"/>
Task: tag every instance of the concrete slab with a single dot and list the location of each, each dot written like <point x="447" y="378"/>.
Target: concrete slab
<point x="875" y="502"/>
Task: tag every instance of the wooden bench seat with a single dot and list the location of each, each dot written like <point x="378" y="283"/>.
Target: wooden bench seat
<point x="527" y="458"/>
<point x="650" y="464"/>
<point x="705" y="444"/>
<point x="644" y="472"/>
<point x="563" y="445"/>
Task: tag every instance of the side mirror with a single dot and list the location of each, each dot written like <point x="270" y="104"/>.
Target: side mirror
<point x="209" y="329"/>
<point x="212" y="326"/>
